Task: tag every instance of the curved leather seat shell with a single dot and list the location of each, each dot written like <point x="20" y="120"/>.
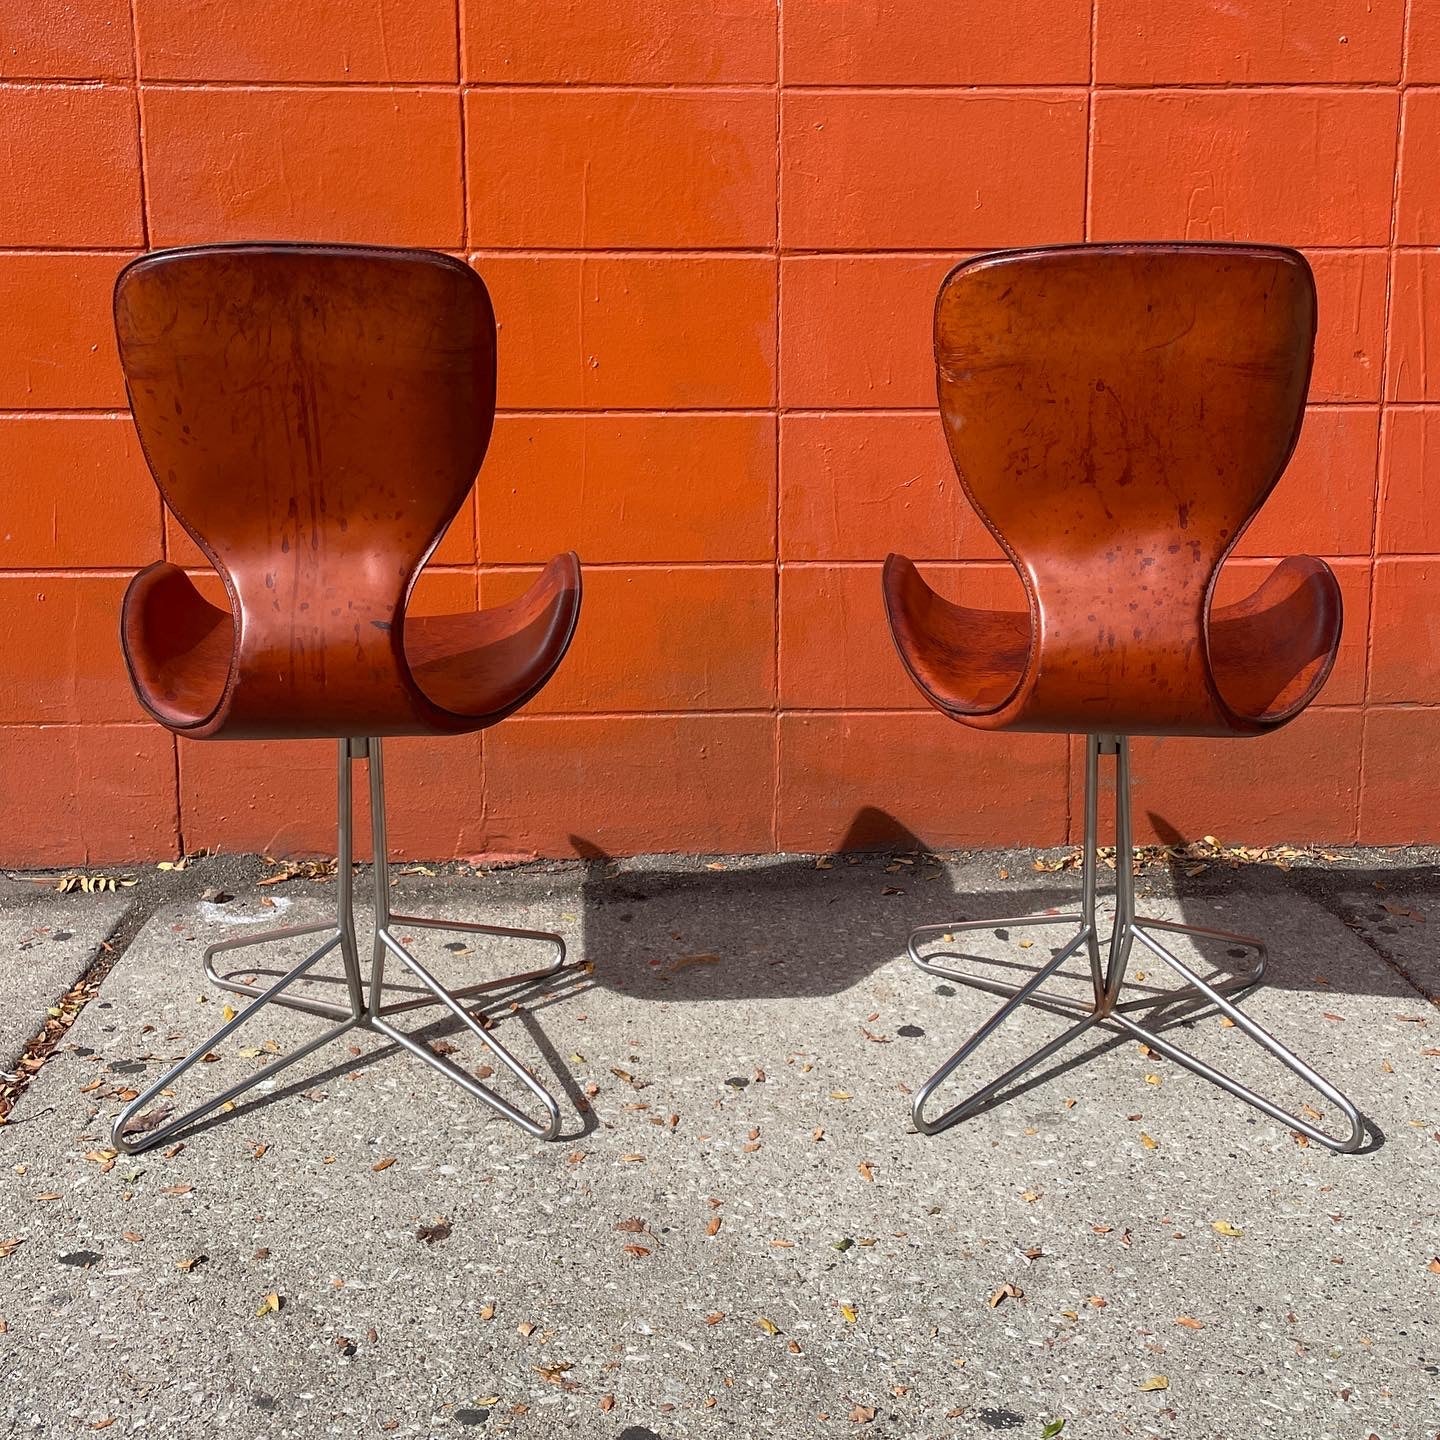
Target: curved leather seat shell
<point x="1117" y="415"/>
<point x="315" y="416"/>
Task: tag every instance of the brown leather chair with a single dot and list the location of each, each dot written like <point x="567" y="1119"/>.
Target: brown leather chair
<point x="315" y="416"/>
<point x="1117" y="415"/>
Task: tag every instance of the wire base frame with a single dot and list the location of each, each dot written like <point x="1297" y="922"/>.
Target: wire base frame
<point x="1106" y="1007"/>
<point x="366" y="1007"/>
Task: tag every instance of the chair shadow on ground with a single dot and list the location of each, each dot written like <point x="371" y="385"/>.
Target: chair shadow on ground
<point x="788" y="928"/>
<point x="759" y="928"/>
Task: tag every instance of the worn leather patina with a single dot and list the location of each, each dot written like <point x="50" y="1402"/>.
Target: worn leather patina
<point x="314" y="417"/>
<point x="1117" y="415"/>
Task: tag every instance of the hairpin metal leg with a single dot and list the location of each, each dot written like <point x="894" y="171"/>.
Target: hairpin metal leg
<point x="374" y="1018"/>
<point x="1262" y="1037"/>
<point x="464" y="927"/>
<point x="365" y="1008"/>
<point x="1105" y="1007"/>
<point x="133" y="1144"/>
<point x="986" y="1093"/>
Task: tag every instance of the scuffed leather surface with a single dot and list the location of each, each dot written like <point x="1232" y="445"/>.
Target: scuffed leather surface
<point x="314" y="416"/>
<point x="1117" y="415"/>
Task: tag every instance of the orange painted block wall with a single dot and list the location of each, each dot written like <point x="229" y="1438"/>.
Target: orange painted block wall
<point x="713" y="234"/>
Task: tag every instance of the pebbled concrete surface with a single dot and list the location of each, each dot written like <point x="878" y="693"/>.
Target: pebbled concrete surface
<point x="749" y="1034"/>
<point x="1398" y="915"/>
<point x="47" y="941"/>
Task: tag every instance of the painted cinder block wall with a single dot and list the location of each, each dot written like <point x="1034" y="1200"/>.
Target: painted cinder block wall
<point x="713" y="231"/>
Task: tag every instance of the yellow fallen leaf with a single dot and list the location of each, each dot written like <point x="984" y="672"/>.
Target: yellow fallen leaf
<point x="228" y="1013"/>
<point x="1155" y="1382"/>
<point x="1148" y="1143"/>
<point x="850" y="1313"/>
<point x="1224" y="1227"/>
<point x="768" y="1325"/>
<point x="270" y="1305"/>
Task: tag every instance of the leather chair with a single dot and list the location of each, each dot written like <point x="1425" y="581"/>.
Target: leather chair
<point x="314" y="416"/>
<point x="1117" y="415"/>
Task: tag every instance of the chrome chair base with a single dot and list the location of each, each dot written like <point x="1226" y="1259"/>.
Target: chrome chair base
<point x="366" y="1008"/>
<point x="1105" y="1005"/>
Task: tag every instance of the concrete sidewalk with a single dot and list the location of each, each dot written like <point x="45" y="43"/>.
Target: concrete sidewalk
<point x="740" y="1234"/>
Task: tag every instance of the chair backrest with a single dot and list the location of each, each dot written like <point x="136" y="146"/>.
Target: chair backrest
<point x="1117" y="414"/>
<point x="319" y="401"/>
<point x="314" y="416"/>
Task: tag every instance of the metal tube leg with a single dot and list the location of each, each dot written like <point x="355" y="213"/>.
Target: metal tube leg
<point x="364" y="1011"/>
<point x="374" y="1018"/>
<point x="343" y="927"/>
<point x="345" y="881"/>
<point x="547" y="1130"/>
<point x="932" y="964"/>
<point x="981" y="1096"/>
<point x="1120" y="937"/>
<point x="1108" y="1009"/>
<point x="1262" y="1037"/>
<point x="380" y="867"/>
<point x="135" y="1144"/>
<point x="265" y="937"/>
<point x="522" y="977"/>
<point x="1253" y="975"/>
<point x="1089" y="858"/>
